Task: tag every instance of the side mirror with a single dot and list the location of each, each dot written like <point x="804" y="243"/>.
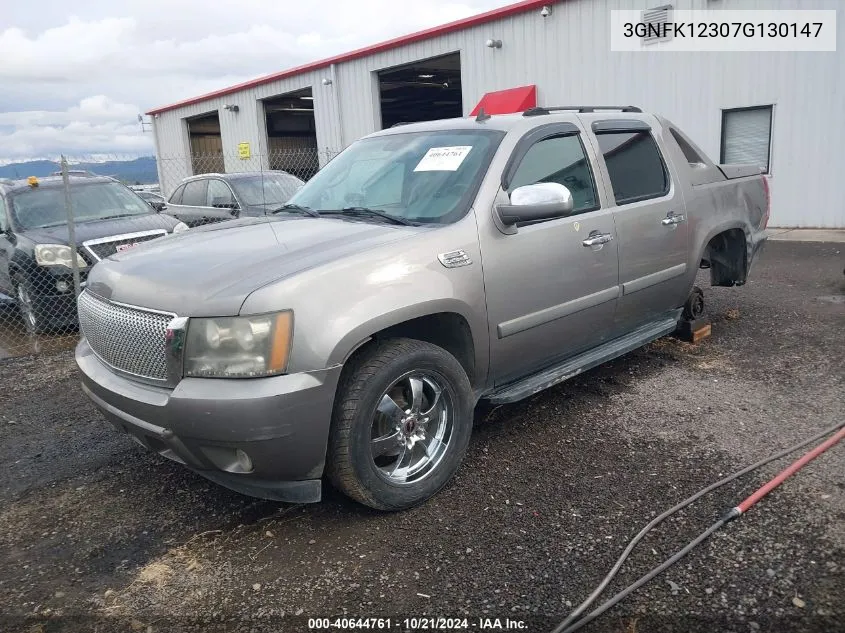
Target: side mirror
<point x="540" y="201"/>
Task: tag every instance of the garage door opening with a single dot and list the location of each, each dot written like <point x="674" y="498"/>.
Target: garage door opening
<point x="425" y="90"/>
<point x="292" y="134"/>
<point x="206" y="144"/>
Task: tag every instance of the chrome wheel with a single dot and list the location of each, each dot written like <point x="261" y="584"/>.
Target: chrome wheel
<point x="412" y="427"/>
<point x="26" y="308"/>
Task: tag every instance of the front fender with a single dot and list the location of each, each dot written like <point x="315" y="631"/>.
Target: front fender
<point x="340" y="305"/>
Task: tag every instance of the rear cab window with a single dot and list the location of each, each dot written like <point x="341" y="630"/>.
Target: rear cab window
<point x="635" y="165"/>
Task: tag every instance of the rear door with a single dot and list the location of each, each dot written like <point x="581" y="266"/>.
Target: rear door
<point x="551" y="286"/>
<point x="650" y="218"/>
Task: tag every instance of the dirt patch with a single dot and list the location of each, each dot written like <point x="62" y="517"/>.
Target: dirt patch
<point x="97" y="534"/>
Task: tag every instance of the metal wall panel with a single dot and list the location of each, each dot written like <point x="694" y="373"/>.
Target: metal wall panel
<point x="567" y="55"/>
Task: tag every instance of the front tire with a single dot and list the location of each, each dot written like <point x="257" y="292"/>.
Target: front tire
<point x="33" y="320"/>
<point x="401" y="424"/>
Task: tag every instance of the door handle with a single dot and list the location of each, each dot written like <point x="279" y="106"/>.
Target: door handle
<point x="672" y="218"/>
<point x="598" y="240"/>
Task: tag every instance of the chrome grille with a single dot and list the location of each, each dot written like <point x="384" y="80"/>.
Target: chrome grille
<point x="105" y="246"/>
<point x="127" y="338"/>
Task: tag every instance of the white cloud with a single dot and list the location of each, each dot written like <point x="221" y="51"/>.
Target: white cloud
<point x="95" y="125"/>
<point x="140" y="54"/>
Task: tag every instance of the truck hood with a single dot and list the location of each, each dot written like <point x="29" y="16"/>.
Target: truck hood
<point x="211" y="270"/>
<point x="102" y="228"/>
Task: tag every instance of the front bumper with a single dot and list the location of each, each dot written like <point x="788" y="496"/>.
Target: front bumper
<point x="281" y="423"/>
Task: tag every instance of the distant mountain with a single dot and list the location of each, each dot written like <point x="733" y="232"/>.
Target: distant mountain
<point x="140" y="170"/>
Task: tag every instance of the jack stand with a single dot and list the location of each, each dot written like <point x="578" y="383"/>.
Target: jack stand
<point x="694" y="325"/>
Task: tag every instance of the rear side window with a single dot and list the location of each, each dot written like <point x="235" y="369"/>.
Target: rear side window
<point x="635" y="166"/>
<point x="219" y="194"/>
<point x="194" y="194"/>
<point x="176" y="196"/>
<point x="559" y="159"/>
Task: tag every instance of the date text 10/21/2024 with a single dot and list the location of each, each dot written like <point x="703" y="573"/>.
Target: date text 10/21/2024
<point x="426" y="623"/>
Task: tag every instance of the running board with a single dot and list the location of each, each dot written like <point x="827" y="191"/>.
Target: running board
<point x="586" y="360"/>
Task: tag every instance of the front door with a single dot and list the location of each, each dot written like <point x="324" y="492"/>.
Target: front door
<point x="651" y="222"/>
<point x="6" y="250"/>
<point x="552" y="285"/>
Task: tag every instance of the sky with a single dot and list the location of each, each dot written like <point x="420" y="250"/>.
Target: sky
<point x="75" y="75"/>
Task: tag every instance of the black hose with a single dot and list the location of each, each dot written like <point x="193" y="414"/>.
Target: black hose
<point x="560" y="628"/>
<point x="654" y="572"/>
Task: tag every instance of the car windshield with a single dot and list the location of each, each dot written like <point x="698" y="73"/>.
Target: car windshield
<point x="267" y="189"/>
<point x="426" y="177"/>
<point x="39" y="207"/>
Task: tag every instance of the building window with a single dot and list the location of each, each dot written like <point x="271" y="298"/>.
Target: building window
<point x="747" y="136"/>
<point x="635" y="166"/>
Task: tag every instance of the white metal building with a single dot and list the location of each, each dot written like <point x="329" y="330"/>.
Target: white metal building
<point x="785" y="109"/>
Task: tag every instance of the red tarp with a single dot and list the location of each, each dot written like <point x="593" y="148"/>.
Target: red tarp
<point x="508" y="101"/>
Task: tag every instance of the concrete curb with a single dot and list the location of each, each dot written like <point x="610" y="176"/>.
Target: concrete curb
<point x="806" y="235"/>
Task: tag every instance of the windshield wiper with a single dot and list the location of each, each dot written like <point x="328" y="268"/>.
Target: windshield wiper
<point x="295" y="208"/>
<point x="107" y="217"/>
<point x="373" y="213"/>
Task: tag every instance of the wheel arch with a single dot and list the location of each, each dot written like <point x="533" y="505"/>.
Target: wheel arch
<point x="444" y="324"/>
<point x="726" y="251"/>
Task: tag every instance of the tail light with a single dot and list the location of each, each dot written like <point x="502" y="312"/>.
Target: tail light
<point x="767" y="188"/>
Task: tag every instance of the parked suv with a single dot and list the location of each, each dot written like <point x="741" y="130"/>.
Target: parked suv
<point x="425" y="268"/>
<point x="35" y="259"/>
<point x="210" y="198"/>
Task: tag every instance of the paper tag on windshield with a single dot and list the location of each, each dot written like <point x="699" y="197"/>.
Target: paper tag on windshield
<point x="443" y="158"/>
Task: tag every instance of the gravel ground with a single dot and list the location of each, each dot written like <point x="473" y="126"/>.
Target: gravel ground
<point x="96" y="534"/>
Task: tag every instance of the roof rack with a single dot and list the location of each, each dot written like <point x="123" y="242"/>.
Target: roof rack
<point x="83" y="173"/>
<point x="537" y="111"/>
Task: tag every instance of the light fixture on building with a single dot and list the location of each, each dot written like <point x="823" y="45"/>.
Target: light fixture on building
<point x="494" y="43"/>
<point x="307" y="98"/>
<point x="326" y="81"/>
<point x="231" y="107"/>
<point x="546" y="11"/>
<point x="426" y="76"/>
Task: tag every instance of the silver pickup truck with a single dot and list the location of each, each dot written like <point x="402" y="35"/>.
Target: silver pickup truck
<point x="428" y="266"/>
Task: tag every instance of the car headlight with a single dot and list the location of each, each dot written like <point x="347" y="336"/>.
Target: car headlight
<point x="238" y="347"/>
<point x="57" y="255"/>
<point x="179" y="228"/>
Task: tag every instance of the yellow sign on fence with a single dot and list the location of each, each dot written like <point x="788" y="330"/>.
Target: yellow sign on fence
<point x="243" y="151"/>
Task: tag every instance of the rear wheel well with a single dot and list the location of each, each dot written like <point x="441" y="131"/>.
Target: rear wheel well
<point x="726" y="256"/>
<point x="448" y="330"/>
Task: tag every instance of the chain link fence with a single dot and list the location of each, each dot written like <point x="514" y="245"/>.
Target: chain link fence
<point x="60" y="217"/>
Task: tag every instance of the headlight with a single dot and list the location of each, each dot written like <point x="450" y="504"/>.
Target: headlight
<point x="57" y="255"/>
<point x="180" y="227"/>
<point x="238" y="347"/>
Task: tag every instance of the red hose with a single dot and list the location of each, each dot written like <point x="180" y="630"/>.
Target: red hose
<point x="790" y="470"/>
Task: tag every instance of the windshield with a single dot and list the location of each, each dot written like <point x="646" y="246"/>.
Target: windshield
<point x="267" y="189"/>
<point x="427" y="177"/>
<point x="38" y="208"/>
